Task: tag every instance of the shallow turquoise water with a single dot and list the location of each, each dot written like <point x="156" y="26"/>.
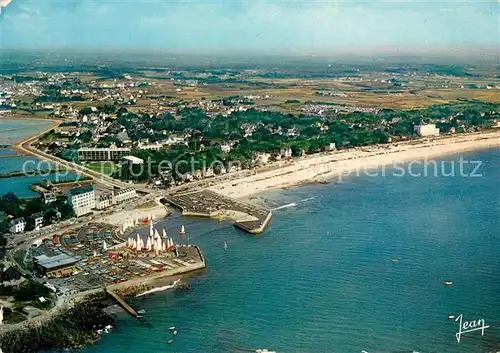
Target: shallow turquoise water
<point x="10" y="132"/>
<point x="13" y="130"/>
<point x="320" y="279"/>
<point x="20" y="185"/>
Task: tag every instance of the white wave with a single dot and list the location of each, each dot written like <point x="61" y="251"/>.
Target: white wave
<point x="160" y="289"/>
<point x="284" y="206"/>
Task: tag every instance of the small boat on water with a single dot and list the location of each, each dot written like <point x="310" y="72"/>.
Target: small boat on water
<point x="170" y="341"/>
<point x="171" y="328"/>
<point x="394" y="260"/>
<point x="447" y="283"/>
<point x="141" y="312"/>
<point x="174" y="333"/>
<point x="451" y="316"/>
<point x="225" y="246"/>
<point x="264" y="351"/>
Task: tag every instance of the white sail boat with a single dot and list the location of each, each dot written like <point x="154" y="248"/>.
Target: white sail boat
<point x="151" y="231"/>
<point x="164" y="233"/>
<point x="138" y="246"/>
<point x="182" y="231"/>
<point x="225" y="246"/>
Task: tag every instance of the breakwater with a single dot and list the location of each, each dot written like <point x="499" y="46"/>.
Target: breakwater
<point x="206" y="203"/>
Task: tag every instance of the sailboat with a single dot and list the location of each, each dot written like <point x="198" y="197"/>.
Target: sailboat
<point x="164" y="233"/>
<point x="138" y="246"/>
<point x="182" y="231"/>
<point x="225" y="246"/>
<point x="151" y="231"/>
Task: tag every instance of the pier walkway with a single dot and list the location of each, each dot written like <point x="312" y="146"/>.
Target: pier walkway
<point x="122" y="302"/>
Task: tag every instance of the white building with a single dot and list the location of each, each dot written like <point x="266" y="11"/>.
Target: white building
<point x="209" y="172"/>
<point x="174" y="140"/>
<point x="286" y="152"/>
<point x="132" y="160"/>
<point x="123" y="195"/>
<point x="49" y="197"/>
<point x="427" y="130"/>
<point x="82" y="199"/>
<point x="17" y="225"/>
<point x="38" y="220"/>
<point x="151" y="147"/>
<point x="102" y="154"/>
<point x="103" y="201"/>
<point x="262" y="158"/>
<point x="226" y="148"/>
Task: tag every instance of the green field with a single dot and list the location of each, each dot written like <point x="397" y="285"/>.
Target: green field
<point x="106" y="167"/>
<point x="19" y="258"/>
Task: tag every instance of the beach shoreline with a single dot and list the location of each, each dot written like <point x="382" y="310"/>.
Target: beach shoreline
<point x="341" y="164"/>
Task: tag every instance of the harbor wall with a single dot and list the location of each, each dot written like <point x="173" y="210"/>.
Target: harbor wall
<point x="255" y="230"/>
<point x="155" y="276"/>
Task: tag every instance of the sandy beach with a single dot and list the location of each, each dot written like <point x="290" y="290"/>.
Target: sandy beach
<point x="158" y="211"/>
<point x="359" y="161"/>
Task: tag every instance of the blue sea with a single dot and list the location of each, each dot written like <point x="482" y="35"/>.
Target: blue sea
<point x="321" y="279"/>
<point x="11" y="131"/>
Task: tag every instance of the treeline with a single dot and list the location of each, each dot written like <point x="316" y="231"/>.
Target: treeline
<point x="13" y="208"/>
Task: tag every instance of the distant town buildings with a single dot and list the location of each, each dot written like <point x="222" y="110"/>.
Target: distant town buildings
<point x="102" y="154"/>
<point x="82" y="199"/>
<point x="427" y="130"/>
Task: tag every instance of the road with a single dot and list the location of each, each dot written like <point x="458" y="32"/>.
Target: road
<point x="27" y="148"/>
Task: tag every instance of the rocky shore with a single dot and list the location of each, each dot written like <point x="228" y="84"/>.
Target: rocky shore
<point x="69" y="330"/>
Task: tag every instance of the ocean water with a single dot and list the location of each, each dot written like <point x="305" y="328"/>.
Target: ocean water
<point x="20" y="185"/>
<point x="321" y="279"/>
<point x="11" y="131"/>
<point x="7" y="151"/>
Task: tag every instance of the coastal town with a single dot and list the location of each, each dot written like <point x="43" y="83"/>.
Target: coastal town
<point x="141" y="146"/>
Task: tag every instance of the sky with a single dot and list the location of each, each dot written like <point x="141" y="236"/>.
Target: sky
<point x="273" y="25"/>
